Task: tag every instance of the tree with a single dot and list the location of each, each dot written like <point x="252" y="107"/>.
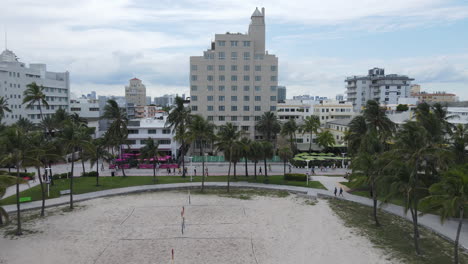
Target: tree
<point x="201" y="132"/>
<point x="311" y="125"/>
<point x="450" y="198"/>
<point x="117" y="131"/>
<point x="6" y="181"/>
<point x="267" y="153"/>
<point x="285" y="154"/>
<point x="3" y="107"/>
<point x="325" y="139"/>
<point x="255" y="154"/>
<point x="35" y="94"/>
<point x="16" y="147"/>
<point x="25" y="124"/>
<point x="459" y="142"/>
<point x="268" y="125"/>
<point x="225" y="139"/>
<point x="178" y="120"/>
<point x="98" y="151"/>
<point x="402" y="107"/>
<point x="354" y="136"/>
<point x="151" y="152"/>
<point x="72" y="137"/>
<point x="289" y="129"/>
<point x="246" y="144"/>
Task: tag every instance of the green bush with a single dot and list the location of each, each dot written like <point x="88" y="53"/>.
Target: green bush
<point x="295" y="177"/>
<point x="59" y="176"/>
<point x="89" y="174"/>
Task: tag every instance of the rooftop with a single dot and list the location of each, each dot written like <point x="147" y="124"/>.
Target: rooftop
<point x="8" y="56"/>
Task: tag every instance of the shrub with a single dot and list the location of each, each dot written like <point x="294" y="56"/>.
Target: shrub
<point x="59" y="176"/>
<point x="295" y="177"/>
<point x="89" y="174"/>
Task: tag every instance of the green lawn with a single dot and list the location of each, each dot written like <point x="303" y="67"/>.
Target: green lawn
<point x="395" y="235"/>
<point x="397" y="200"/>
<point x="88" y="184"/>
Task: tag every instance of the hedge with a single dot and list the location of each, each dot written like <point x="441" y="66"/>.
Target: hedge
<point x="89" y="174"/>
<point x="295" y="177"/>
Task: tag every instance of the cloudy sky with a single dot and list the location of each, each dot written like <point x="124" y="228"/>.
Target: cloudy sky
<point x="104" y="43"/>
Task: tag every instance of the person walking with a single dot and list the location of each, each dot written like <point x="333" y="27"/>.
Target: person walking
<point x="260" y="170"/>
<point x="195" y="171"/>
<point x="336" y="190"/>
<point x="341" y="192"/>
<point x="269" y="167"/>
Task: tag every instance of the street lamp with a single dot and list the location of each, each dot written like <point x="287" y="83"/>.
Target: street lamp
<point x="342" y="161"/>
<point x="48" y="180"/>
<point x="307" y="172"/>
<point x="191" y="169"/>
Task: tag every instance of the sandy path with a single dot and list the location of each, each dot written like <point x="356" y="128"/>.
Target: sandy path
<point x="144" y="228"/>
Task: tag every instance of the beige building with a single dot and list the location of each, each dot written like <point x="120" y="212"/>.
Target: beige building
<point x="236" y="79"/>
<point x="331" y="110"/>
<point x="440" y="97"/>
<point x="135" y="92"/>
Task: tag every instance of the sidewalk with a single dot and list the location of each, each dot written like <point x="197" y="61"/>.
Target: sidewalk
<point x="448" y="229"/>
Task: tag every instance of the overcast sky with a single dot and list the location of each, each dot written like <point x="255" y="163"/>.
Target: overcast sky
<point x="104" y="43"/>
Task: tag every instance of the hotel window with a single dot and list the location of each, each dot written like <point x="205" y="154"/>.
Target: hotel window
<point x="221" y="98"/>
<point x="258" y="68"/>
<point x="151" y="131"/>
<point x="233" y="55"/>
<point x="209" y="67"/>
<point x="221" y="67"/>
<point x="234" y="108"/>
<point x="246" y="118"/>
<point x="221" y="88"/>
<point x="209" y="98"/>
<point x="233" y="118"/>
<point x="246" y="108"/>
<point x="234" y="78"/>
<point x="233" y="98"/>
<point x="221" y="55"/>
<point x="258" y="98"/>
<point x="272" y="98"/>
<point x="193" y="67"/>
<point x="246" y="98"/>
<point x="221" y="118"/>
<point x="273" y="88"/>
<point x="194" y="108"/>
<point x="209" y="108"/>
<point x="257" y="118"/>
<point x="194" y="98"/>
<point x="272" y="108"/>
<point x="221" y="78"/>
<point x="233" y="67"/>
<point x="194" y="78"/>
<point x="258" y="88"/>
<point x="234" y="88"/>
<point x="245" y="128"/>
<point x="273" y="67"/>
<point x="209" y="78"/>
<point x="258" y="78"/>
<point x="246" y="88"/>
<point x="273" y="78"/>
<point x="246" y="78"/>
<point x="209" y="118"/>
<point x="194" y="88"/>
<point x="246" y="43"/>
<point x="258" y="108"/>
<point x="246" y="67"/>
<point x="233" y="43"/>
<point x="387" y="87"/>
<point x="221" y="108"/>
<point x="221" y="43"/>
<point x="246" y="55"/>
<point x="209" y="88"/>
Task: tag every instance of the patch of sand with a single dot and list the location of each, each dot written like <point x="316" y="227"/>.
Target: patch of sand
<point x="144" y="228"/>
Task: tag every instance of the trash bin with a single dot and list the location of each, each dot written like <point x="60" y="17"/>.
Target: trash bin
<point x="112" y="174"/>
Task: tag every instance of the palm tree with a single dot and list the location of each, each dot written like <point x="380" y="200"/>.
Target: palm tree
<point x="459" y="143"/>
<point x="25" y="124"/>
<point x="285" y="154"/>
<point x="16" y="147"/>
<point x="311" y="125"/>
<point x="450" y="198"/>
<point x="226" y="137"/>
<point x="72" y="137"/>
<point x="151" y="152"/>
<point x="201" y="132"/>
<point x="246" y="144"/>
<point x="117" y="131"/>
<point x="35" y="94"/>
<point x="354" y="135"/>
<point x="268" y="125"/>
<point x="6" y="181"/>
<point x="267" y="153"/>
<point x="98" y="151"/>
<point x="178" y="120"/>
<point x="3" y="107"/>
<point x="325" y="139"/>
<point x="289" y="129"/>
<point x="255" y="154"/>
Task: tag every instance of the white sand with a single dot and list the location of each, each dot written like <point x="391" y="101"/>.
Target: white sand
<point x="144" y="228"/>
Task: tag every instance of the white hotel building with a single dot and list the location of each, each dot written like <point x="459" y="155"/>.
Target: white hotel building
<point x="14" y="78"/>
<point x="236" y="79"/>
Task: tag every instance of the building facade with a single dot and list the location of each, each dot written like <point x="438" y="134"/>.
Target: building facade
<point x="135" y="92"/>
<point x="87" y="109"/>
<point x="437" y="97"/>
<point x="331" y="110"/>
<point x="236" y="79"/>
<point x="281" y="94"/>
<point x="15" y="76"/>
<point x="385" y="89"/>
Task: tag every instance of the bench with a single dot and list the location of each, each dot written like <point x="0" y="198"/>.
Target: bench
<point x="64" y="192"/>
<point x="25" y="199"/>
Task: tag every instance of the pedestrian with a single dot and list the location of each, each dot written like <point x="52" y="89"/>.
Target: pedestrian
<point x="260" y="170"/>
<point x="180" y="170"/>
<point x="341" y="192"/>
<point x="335" y="191"/>
<point x="313" y="171"/>
<point x="195" y="171"/>
<point x="289" y="168"/>
<point x="174" y="170"/>
<point x="269" y="167"/>
<point x="206" y="171"/>
<point x="102" y="166"/>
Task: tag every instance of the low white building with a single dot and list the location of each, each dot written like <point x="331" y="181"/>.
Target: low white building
<point x="139" y="130"/>
<point x="87" y="109"/>
<point x="332" y="110"/>
<point x="460" y="115"/>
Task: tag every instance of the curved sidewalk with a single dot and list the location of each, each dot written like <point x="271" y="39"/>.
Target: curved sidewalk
<point x="448" y="229"/>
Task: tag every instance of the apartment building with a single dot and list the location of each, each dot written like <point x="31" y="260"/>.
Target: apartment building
<point x="87" y="109"/>
<point x="236" y="79"/>
<point x="437" y="97"/>
<point x="15" y="76"/>
<point x="385" y="89"/>
<point x="332" y="110"/>
<point x="135" y="92"/>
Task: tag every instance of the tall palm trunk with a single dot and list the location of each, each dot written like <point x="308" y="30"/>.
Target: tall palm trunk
<point x="460" y="222"/>
<point x="183" y="159"/>
<point x="284" y="162"/>
<point x="415" y="216"/>
<point x="374" y="198"/>
<point x="97" y="170"/>
<point x="310" y="142"/>
<point x="71" y="179"/>
<point x="19" y="232"/>
<point x="50" y="174"/>
<point x="235" y="165"/>
<point x="154" y="171"/>
<point x="246" y="169"/>
<point x="266" y="171"/>
<point x="229" y="171"/>
<point x="42" y="190"/>
<point x="82" y="161"/>
<point x="203" y="167"/>
<point x="255" y="170"/>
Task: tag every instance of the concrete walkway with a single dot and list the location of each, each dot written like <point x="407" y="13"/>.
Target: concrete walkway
<point x="22" y="187"/>
<point x="448" y="229"/>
